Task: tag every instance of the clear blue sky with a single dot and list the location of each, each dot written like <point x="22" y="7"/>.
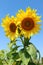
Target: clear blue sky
<point x="11" y="7"/>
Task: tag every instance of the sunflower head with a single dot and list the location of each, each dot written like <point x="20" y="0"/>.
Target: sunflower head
<point x="28" y="22"/>
<point x="10" y="27"/>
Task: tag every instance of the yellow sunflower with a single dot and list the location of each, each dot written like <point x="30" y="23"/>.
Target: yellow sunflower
<point x="28" y="21"/>
<point x="10" y="26"/>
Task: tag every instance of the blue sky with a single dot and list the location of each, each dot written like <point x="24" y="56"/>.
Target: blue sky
<point x="11" y="7"/>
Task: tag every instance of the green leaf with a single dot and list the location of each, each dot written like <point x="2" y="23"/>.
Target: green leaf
<point x="31" y="63"/>
<point x="9" y="55"/>
<point x="2" y="54"/>
<point x="32" y="51"/>
<point x="1" y="62"/>
<point x="25" y="57"/>
<point x="18" y="62"/>
<point x="15" y="48"/>
<point x="8" y="62"/>
<point x="15" y="56"/>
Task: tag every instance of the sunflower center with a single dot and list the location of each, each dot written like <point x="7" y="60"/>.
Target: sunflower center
<point x="13" y="27"/>
<point x="27" y="24"/>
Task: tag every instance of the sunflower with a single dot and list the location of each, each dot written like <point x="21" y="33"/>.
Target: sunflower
<point x="10" y="27"/>
<point x="28" y="22"/>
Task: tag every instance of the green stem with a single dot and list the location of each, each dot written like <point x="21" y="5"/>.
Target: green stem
<point x="26" y="41"/>
<point x="21" y="40"/>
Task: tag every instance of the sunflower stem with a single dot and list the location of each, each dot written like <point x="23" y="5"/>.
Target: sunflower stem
<point x="22" y="39"/>
<point x="26" y="41"/>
